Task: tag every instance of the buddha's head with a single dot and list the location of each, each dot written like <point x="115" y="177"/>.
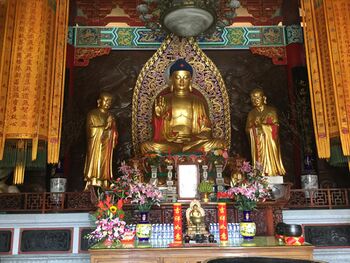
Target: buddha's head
<point x="257" y="97"/>
<point x="104" y="102"/>
<point x="181" y="77"/>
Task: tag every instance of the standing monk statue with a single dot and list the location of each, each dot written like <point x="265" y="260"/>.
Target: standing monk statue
<point x="180" y="118"/>
<point x="102" y="137"/>
<point x="262" y="128"/>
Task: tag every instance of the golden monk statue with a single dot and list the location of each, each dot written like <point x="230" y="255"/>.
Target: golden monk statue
<point x="181" y="122"/>
<point x="262" y="128"/>
<point x="102" y="137"/>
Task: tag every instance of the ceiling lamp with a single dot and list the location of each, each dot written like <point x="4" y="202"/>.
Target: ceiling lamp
<point x="187" y="18"/>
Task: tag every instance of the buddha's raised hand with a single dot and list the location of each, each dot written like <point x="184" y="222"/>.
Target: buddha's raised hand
<point x="160" y="107"/>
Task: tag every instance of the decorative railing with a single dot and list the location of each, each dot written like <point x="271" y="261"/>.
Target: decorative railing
<point x="84" y="201"/>
<point x="319" y="198"/>
<point x="46" y="202"/>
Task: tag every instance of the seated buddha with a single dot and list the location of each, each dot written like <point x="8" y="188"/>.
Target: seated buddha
<point x="195" y="219"/>
<point x="180" y="118"/>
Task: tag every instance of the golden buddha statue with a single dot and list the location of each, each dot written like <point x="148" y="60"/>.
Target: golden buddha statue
<point x="262" y="128"/>
<point x="195" y="219"/>
<point x="102" y="137"/>
<point x="180" y="121"/>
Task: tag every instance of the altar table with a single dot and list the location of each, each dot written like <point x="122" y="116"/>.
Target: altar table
<point x="259" y="247"/>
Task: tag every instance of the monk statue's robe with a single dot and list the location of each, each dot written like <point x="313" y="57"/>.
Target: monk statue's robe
<point x="101" y="139"/>
<point x="262" y="128"/>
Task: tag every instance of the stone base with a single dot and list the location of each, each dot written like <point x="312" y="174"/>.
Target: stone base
<point x="52" y="258"/>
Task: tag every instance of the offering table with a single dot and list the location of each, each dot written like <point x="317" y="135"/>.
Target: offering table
<point x="193" y="253"/>
<point x="266" y="216"/>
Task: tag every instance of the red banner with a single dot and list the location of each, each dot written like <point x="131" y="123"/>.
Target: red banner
<point x="177" y="223"/>
<point x="222" y="215"/>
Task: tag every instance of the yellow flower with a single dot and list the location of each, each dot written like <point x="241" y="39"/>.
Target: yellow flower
<point x="113" y="209"/>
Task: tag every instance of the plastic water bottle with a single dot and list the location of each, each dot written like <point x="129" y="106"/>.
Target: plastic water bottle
<point x="230" y="230"/>
<point x="172" y="231"/>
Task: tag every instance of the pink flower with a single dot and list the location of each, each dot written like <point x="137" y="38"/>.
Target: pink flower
<point x="251" y="189"/>
<point x="246" y="167"/>
<point x="144" y="195"/>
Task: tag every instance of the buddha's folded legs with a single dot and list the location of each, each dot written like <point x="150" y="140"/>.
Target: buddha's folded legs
<point x="204" y="145"/>
<point x="150" y="147"/>
<point x="194" y="146"/>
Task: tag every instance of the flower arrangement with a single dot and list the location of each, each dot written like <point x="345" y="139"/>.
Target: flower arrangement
<point x="120" y="187"/>
<point x="108" y="218"/>
<point x="129" y="174"/>
<point x="144" y="195"/>
<point x="217" y="156"/>
<point x="252" y="187"/>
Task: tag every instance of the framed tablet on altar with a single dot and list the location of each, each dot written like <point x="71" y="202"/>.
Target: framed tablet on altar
<point x="187" y="180"/>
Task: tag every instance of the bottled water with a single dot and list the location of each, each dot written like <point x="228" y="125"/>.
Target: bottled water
<point x="162" y="234"/>
<point x="172" y="231"/>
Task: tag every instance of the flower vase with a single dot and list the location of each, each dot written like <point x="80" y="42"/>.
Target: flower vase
<point x="247" y="226"/>
<point x="144" y="228"/>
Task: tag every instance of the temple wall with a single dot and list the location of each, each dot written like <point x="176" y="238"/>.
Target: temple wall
<point x="54" y="238"/>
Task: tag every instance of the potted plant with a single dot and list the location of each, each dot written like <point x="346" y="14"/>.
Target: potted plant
<point x="110" y="227"/>
<point x="251" y="189"/>
<point x="144" y="196"/>
<point x="205" y="188"/>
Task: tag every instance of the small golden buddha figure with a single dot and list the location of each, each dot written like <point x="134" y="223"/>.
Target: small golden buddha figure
<point x="180" y="121"/>
<point x="262" y="128"/>
<point x="102" y="137"/>
<point x="195" y="219"/>
<point x="234" y="177"/>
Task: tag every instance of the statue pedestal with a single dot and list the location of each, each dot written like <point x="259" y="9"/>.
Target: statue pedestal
<point x="192" y="231"/>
